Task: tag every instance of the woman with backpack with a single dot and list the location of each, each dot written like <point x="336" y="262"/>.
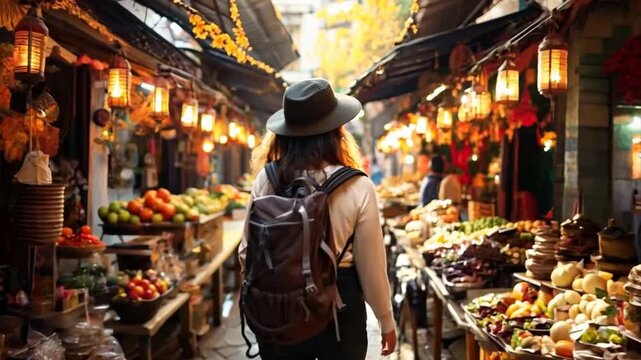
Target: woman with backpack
<point x="313" y="251"/>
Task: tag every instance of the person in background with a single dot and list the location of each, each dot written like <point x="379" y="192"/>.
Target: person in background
<point x="450" y="187"/>
<point x="376" y="172"/>
<point x="432" y="182"/>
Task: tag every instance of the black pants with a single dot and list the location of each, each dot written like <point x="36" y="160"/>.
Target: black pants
<point x="324" y="346"/>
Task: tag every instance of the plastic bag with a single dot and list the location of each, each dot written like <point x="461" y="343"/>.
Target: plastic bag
<point x="50" y="349"/>
<point x="35" y="169"/>
<point x="109" y="349"/>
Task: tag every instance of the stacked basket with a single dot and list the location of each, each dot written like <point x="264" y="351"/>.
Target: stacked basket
<point x="39" y="212"/>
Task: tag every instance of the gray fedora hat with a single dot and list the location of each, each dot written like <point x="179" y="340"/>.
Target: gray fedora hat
<point x="310" y="107"/>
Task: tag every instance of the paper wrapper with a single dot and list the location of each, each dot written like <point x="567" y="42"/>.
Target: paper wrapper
<point x="35" y="169"/>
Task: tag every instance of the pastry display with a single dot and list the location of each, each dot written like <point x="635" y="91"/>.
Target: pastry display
<point x="618" y="253"/>
<point x="579" y="239"/>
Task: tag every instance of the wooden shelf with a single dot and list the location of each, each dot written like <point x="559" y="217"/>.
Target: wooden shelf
<point x="232" y="235"/>
<point x="151" y="327"/>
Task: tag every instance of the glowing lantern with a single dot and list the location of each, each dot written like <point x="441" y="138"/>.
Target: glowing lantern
<point x="465" y="109"/>
<point x="30" y="41"/>
<point x="232" y="130"/>
<point x="207" y="120"/>
<point x="444" y="116"/>
<point x="189" y="114"/>
<point x="119" y="83"/>
<point x="208" y="145"/>
<point x="223" y="139"/>
<point x="251" y="141"/>
<point x="421" y="125"/>
<point x="507" y="84"/>
<point x="552" y="77"/>
<point x="160" y="99"/>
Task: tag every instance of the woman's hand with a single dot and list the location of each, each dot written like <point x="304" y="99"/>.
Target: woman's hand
<point x="388" y="343"/>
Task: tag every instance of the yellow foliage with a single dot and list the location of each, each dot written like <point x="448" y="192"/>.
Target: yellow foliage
<point x="355" y="37"/>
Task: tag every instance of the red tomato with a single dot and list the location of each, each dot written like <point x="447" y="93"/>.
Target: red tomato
<point x="146" y="214"/>
<point x="168" y="211"/>
<point x="67" y="231"/>
<point x="139" y="290"/>
<point x="144" y="283"/>
<point x="164" y="194"/>
<point x="149" y="295"/>
<point x="151" y="193"/>
<point x="133" y="295"/>
<point x="131" y="285"/>
<point x="150" y="202"/>
<point x="85" y="230"/>
<point x="134" y="207"/>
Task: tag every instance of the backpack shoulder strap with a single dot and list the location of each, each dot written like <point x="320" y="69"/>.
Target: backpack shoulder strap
<point x="271" y="169"/>
<point x="338" y="178"/>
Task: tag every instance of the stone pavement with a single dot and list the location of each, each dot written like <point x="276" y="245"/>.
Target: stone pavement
<point x="226" y="342"/>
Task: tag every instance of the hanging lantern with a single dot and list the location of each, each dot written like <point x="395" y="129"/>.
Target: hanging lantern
<point x="119" y="83"/>
<point x="223" y="139"/>
<point x="30" y="41"/>
<point x="507" y="83"/>
<point x="160" y="99"/>
<point x="207" y="120"/>
<point x="481" y="105"/>
<point x="421" y="125"/>
<point x="552" y="76"/>
<point x="444" y="116"/>
<point x="208" y="145"/>
<point x="189" y="114"/>
<point x="251" y="141"/>
<point x="465" y="109"/>
<point x="232" y="130"/>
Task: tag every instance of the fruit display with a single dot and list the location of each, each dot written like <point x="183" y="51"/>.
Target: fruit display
<point x="230" y="196"/>
<point x="160" y="206"/>
<point x="82" y="238"/>
<point x="141" y="286"/>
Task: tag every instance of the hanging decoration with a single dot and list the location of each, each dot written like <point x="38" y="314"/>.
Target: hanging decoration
<point x="160" y="99"/>
<point x="208" y="145"/>
<point x="119" y="83"/>
<point x="208" y="120"/>
<point x="238" y="48"/>
<point x="189" y="113"/>
<point x="525" y="113"/>
<point x="507" y="83"/>
<point x="444" y="116"/>
<point x="552" y="72"/>
<point x="421" y="125"/>
<point x="626" y="64"/>
<point x="30" y="42"/>
<point x="251" y="141"/>
<point x="232" y="130"/>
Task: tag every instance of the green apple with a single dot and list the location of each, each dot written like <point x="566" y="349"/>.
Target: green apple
<point x="178" y="219"/>
<point x="115" y="207"/>
<point x="156" y="219"/>
<point x="103" y="213"/>
<point x="135" y="220"/>
<point x="124" y="216"/>
<point x="112" y="218"/>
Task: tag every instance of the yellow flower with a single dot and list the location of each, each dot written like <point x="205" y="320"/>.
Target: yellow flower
<point x="218" y="42"/>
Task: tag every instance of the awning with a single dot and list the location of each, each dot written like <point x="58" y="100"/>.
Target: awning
<point x="437" y="16"/>
<point x="399" y="71"/>
<point x="270" y="41"/>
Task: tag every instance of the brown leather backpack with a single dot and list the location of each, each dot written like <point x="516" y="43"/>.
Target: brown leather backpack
<point x="289" y="294"/>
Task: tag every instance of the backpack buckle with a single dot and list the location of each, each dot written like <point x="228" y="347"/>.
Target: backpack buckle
<point x="311" y="289"/>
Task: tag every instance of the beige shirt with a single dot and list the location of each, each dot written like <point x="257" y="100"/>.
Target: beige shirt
<point x="450" y="189"/>
<point x="353" y="208"/>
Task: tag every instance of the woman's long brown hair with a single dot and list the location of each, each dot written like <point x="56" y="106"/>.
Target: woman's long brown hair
<point x="295" y="154"/>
